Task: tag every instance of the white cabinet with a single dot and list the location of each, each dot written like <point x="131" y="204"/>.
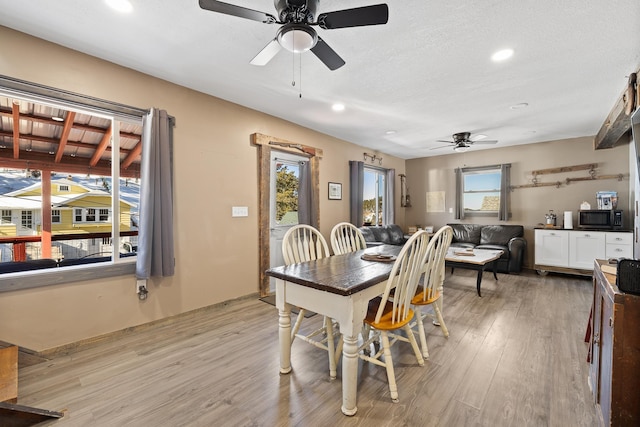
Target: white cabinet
<point x="552" y="247"/>
<point x="574" y="251"/>
<point x="619" y="245"/>
<point x="585" y="247"/>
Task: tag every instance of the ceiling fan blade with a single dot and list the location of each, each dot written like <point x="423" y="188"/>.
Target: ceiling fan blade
<point x="486" y="141"/>
<point x="442" y="146"/>
<point x="357" y="17"/>
<point x="242" y="12"/>
<point x="267" y="53"/>
<point x="327" y="55"/>
<point x="442" y="140"/>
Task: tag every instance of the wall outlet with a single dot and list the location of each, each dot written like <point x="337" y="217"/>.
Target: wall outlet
<point x="237" y="211"/>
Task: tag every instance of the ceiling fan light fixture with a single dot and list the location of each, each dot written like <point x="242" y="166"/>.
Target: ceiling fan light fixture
<point x="461" y="148"/>
<point x="297" y="38"/>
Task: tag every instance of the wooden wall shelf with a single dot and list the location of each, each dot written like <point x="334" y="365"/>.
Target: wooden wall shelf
<point x="591" y="167"/>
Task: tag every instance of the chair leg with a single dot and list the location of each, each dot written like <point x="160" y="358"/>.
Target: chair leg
<point x="414" y="344"/>
<point x="436" y="308"/>
<point x="388" y="363"/>
<point x="421" y="333"/>
<point x="296" y="326"/>
<point x="328" y="322"/>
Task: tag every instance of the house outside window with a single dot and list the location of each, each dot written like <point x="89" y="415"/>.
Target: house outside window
<point x="55" y="216"/>
<point x="63" y="188"/>
<point x="77" y="215"/>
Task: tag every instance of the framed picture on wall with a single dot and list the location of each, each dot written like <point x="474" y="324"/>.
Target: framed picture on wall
<point x="335" y="191"/>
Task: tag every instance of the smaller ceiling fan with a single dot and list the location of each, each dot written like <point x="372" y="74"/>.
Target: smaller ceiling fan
<point x="462" y="141"/>
<point x="297" y="18"/>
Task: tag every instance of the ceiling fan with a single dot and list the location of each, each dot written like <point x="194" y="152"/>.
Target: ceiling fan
<point x="297" y="19"/>
<point x="462" y="141"/>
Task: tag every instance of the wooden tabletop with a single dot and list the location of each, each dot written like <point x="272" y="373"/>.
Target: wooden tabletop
<point x="479" y="257"/>
<point x="339" y="274"/>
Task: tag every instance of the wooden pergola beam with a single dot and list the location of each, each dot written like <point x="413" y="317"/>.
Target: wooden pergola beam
<point x="16" y="130"/>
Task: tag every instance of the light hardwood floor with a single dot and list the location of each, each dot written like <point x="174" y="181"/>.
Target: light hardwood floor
<point x="515" y="357"/>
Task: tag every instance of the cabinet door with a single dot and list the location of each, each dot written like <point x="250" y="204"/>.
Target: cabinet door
<point x="552" y="247"/>
<point x="585" y="247"/>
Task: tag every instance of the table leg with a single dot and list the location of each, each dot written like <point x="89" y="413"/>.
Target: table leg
<point x="495" y="269"/>
<point x="479" y="280"/>
<point x="284" y="334"/>
<point x="349" y="374"/>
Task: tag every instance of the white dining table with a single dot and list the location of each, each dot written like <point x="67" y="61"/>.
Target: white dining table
<point x="340" y="287"/>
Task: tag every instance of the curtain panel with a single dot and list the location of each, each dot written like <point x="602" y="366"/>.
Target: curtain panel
<point x="356" y="191"/>
<point x="155" y="237"/>
<point x="389" y="211"/>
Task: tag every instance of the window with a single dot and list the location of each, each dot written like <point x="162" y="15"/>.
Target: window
<point x="483" y="191"/>
<point x="27" y="219"/>
<point x="286" y="192"/>
<point x="86" y="194"/>
<point x="6" y="216"/>
<point x="373" y="197"/>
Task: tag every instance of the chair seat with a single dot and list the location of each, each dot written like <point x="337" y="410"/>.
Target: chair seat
<point x="418" y="298"/>
<point x="385" y="323"/>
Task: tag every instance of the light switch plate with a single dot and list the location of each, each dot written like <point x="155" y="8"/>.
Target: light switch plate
<point x="238" y="211"/>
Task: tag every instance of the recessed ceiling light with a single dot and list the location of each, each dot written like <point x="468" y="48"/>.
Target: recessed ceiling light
<point x="390" y="132"/>
<point x="502" y="55"/>
<point x="123" y="6"/>
<point x="337" y="107"/>
<point x="519" y="106"/>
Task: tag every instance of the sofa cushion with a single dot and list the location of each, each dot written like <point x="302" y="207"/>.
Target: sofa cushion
<point x="381" y="234"/>
<point x="468" y="233"/>
<point x="500" y="234"/>
<point x="396" y="235"/>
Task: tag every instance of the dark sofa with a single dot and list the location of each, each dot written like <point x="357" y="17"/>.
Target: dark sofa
<point x="508" y="238"/>
<point x="383" y="235"/>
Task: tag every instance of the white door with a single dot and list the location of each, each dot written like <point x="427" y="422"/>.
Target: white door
<point x="283" y="210"/>
<point x="27" y="223"/>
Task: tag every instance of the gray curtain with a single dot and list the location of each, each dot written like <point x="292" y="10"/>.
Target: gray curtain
<point x="389" y="211"/>
<point x="505" y="191"/>
<point x="155" y="237"/>
<point x="459" y="194"/>
<point x="356" y="191"/>
<point x="305" y="196"/>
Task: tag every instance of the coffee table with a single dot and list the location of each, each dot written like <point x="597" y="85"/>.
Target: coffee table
<point x="476" y="259"/>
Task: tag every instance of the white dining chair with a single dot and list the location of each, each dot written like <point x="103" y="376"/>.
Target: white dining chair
<point x="303" y="243"/>
<point x="429" y="290"/>
<point x="346" y="237"/>
<point x="392" y="311"/>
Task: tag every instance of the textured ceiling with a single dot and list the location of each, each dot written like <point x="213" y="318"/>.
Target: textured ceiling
<point x="425" y="75"/>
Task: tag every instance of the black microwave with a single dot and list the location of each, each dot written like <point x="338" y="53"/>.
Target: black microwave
<point x="606" y="219"/>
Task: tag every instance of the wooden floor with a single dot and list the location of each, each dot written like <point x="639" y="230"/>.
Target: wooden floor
<point x="515" y="357"/>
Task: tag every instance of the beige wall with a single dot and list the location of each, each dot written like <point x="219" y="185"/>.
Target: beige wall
<point x="216" y="255"/>
<point x="528" y="205"/>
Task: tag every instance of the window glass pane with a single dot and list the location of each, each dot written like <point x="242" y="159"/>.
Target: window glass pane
<point x="79" y="177"/>
<point x="481" y="191"/>
<point x="373" y="195"/>
<point x="287" y="184"/>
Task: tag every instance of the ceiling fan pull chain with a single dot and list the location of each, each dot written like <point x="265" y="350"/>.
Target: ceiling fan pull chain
<point x="300" y="77"/>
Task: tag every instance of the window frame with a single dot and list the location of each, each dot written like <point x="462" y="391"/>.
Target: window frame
<point x="117" y="266"/>
<point x="56" y="213"/>
<point x="477" y="172"/>
<point x="380" y="174"/>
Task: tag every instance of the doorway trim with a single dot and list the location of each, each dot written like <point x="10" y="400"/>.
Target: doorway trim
<point x="265" y="144"/>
